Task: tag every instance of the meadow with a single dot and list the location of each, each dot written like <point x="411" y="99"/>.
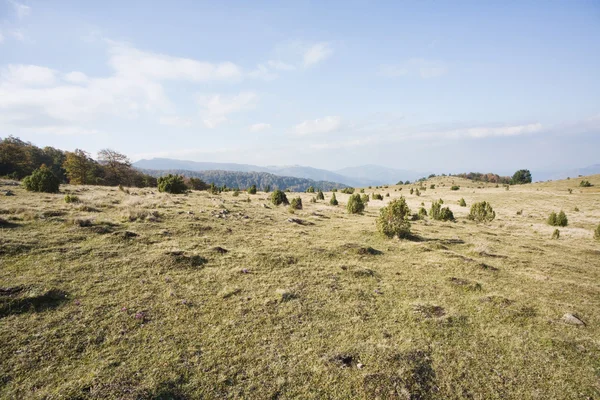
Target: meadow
<point x="135" y="294"/>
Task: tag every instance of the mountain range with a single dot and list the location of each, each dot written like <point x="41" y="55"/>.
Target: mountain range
<point x="365" y="175"/>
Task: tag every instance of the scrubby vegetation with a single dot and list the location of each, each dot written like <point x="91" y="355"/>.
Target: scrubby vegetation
<point x="364" y="198"/>
<point x="376" y="196"/>
<point x="454" y="187"/>
<point x="42" y="180"/>
<point x="482" y="212"/>
<point x="559" y="219"/>
<point x="71" y="198"/>
<point x="348" y="190"/>
<point x="333" y="200"/>
<point x="252" y="189"/>
<point x="462" y="202"/>
<point x="355" y="204"/>
<point x="597" y="232"/>
<point x="393" y="219"/>
<point x="585" y="184"/>
<point x="173" y="184"/>
<point x="440" y="214"/>
<point x="320" y="195"/>
<point x="556" y="234"/>
<point x="278" y="197"/>
<point x="521" y="177"/>
<point x="296" y="203"/>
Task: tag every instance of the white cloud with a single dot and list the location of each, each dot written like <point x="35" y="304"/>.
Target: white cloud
<point x="132" y="63"/>
<point x="76" y="77"/>
<point x="316" y="53"/>
<point x="318" y="126"/>
<point x="489" y="131"/>
<point x="27" y="75"/>
<point x="175" y="121"/>
<point x="280" y="65"/>
<point x="21" y="9"/>
<point x="216" y="108"/>
<point x="259" y="127"/>
<point x="414" y="67"/>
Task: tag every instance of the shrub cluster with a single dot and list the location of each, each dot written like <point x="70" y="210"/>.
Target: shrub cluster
<point x="482" y="212"/>
<point x="364" y="198"/>
<point x="71" y="198"/>
<point x="585" y="184"/>
<point x="440" y="214"/>
<point x="173" y="184"/>
<point x="393" y="219"/>
<point x="278" y="197"/>
<point x="252" y="189"/>
<point x="42" y="180"/>
<point x="597" y="233"/>
<point x="355" y="204"/>
<point x="559" y="219"/>
<point x="454" y="187"/>
<point x="462" y="202"/>
<point x="422" y="213"/>
<point x="333" y="200"/>
<point x="376" y="196"/>
<point x="348" y="190"/>
<point x="310" y="189"/>
<point x="556" y="234"/>
<point x="320" y="195"/>
<point x="296" y="203"/>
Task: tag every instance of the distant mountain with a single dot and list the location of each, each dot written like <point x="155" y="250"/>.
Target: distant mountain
<point x="243" y="180"/>
<point x="357" y="176"/>
<point x="380" y="175"/>
<point x="574" y="173"/>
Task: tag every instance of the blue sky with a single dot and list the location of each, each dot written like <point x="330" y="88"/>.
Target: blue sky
<point x="427" y="85"/>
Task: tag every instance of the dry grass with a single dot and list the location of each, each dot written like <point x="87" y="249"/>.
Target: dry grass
<point x="147" y="295"/>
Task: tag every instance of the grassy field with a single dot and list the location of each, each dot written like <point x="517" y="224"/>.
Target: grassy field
<point x="145" y="295"/>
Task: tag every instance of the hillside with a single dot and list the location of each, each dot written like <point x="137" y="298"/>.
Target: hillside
<point x="140" y="294"/>
<point x="244" y="180"/>
<point x="368" y="175"/>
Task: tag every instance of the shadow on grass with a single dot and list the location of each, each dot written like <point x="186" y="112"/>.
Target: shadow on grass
<point x="20" y="305"/>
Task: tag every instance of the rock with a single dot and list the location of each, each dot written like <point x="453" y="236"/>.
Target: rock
<point x="265" y="206"/>
<point x="9" y="193"/>
<point x="219" y="250"/>
<point x="572" y="319"/>
<point x="359" y="365"/>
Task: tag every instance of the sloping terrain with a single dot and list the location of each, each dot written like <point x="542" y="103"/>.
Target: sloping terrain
<point x="149" y="295"/>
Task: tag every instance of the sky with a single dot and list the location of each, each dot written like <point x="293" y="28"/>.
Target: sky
<point x="442" y="86"/>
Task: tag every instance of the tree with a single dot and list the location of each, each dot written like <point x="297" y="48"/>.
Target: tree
<point x="80" y="167"/>
<point x="482" y="212"/>
<point x="278" y="197"/>
<point x="393" y="219"/>
<point x="117" y="167"/>
<point x="333" y="201"/>
<point x="42" y="180"/>
<point x="197" y="184"/>
<point x="355" y="204"/>
<point x="173" y="184"/>
<point x="520" y="177"/>
<point x="320" y="195"/>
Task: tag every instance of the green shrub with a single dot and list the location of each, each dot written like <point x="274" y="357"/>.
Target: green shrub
<point x="556" y="234"/>
<point x="454" y="187"/>
<point x="278" y="197"/>
<point x="570" y="191"/>
<point x="172" y="184"/>
<point x="71" y="198"/>
<point x="520" y="177"/>
<point x="441" y="201"/>
<point x="576" y="209"/>
<point x="348" y="190"/>
<point x="376" y="196"/>
<point x="333" y="200"/>
<point x="333" y="190"/>
<point x="393" y="219"/>
<point x="597" y="233"/>
<point x="432" y="186"/>
<point x="417" y="192"/>
<point x="422" y="213"/>
<point x="364" y="198"/>
<point x="214" y="189"/>
<point x="412" y="190"/>
<point x="313" y="199"/>
<point x="42" y="180"/>
<point x="296" y="204"/>
<point x="440" y="214"/>
<point x="236" y="193"/>
<point x="355" y="204"/>
<point x="462" y="203"/>
<point x="585" y="184"/>
<point x="362" y="190"/>
<point x="252" y="189"/>
<point x="310" y="189"/>
<point x="387" y="195"/>
<point x="320" y="195"/>
<point x="559" y="219"/>
<point x="482" y="212"/>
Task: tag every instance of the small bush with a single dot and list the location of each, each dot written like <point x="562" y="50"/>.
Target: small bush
<point x="387" y="195"/>
<point x="576" y="209"/>
<point x="570" y="191"/>
<point x="252" y="189"/>
<point x="42" y="180"/>
<point x="235" y="193"/>
<point x="559" y="219"/>
<point x="313" y="199"/>
<point x="482" y="212"/>
<point x="440" y="214"/>
<point x="348" y="190"/>
<point x="597" y="233"/>
<point x="267" y="188"/>
<point x="432" y="186"/>
<point x="441" y="201"/>
<point x="173" y="184"/>
<point x="320" y="195"/>
<point x="393" y="219"/>
<point x="278" y="197"/>
<point x="310" y="189"/>
<point x="213" y="189"/>
<point x="585" y="184"/>
<point x="422" y="213"/>
<point x="412" y="190"/>
<point x="355" y="204"/>
<point x="364" y="198"/>
<point x="362" y="190"/>
<point x="376" y="196"/>
<point x="71" y="198"/>
<point x="333" y="200"/>
<point x="454" y="187"/>
<point x="462" y="203"/>
<point x="296" y="203"/>
<point x="556" y="234"/>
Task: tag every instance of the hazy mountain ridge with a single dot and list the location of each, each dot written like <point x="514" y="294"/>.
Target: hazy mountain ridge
<point x="242" y="180"/>
<point x="366" y="175"/>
